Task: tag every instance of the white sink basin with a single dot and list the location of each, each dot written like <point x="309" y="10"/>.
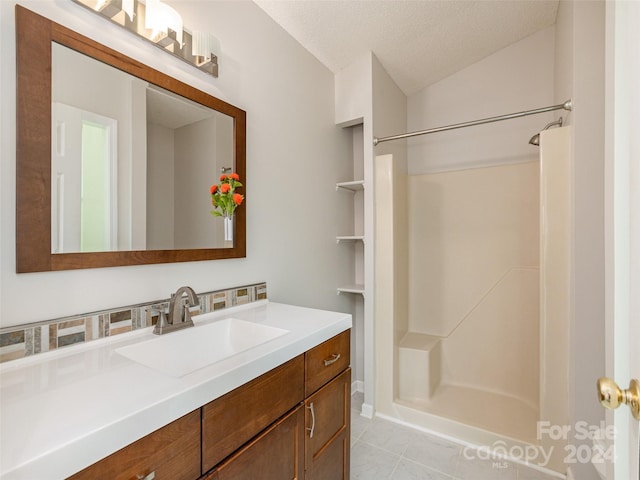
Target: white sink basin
<point x="185" y="351"/>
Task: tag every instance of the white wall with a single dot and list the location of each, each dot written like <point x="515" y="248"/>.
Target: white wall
<point x="194" y="172"/>
<point x="563" y="57"/>
<point x="160" y="187"/>
<point x="353" y="98"/>
<point x="516" y="78"/>
<point x="580" y="67"/>
<point x="294" y="152"/>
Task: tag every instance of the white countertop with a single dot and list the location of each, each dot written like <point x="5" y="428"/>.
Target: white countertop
<point x="64" y="410"/>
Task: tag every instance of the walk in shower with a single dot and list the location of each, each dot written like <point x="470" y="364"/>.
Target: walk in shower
<point x="472" y="290"/>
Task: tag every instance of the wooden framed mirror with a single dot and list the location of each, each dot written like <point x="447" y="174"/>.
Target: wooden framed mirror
<point x="38" y="42"/>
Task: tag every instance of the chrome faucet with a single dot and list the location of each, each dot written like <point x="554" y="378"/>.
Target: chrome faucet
<point x="178" y="316"/>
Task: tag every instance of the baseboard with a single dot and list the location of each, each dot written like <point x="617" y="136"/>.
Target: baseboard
<point x="357" y="386"/>
<point x="367" y="410"/>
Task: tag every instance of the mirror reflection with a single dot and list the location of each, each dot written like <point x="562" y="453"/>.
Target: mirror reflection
<point x="131" y="163"/>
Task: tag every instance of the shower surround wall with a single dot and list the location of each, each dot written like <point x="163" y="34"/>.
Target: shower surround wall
<point x="473" y="297"/>
<point x="481" y="357"/>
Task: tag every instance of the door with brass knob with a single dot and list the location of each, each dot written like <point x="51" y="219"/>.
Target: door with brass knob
<point x="622" y="243"/>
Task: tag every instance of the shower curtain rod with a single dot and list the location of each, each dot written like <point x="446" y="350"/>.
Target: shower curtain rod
<point x="563" y="106"/>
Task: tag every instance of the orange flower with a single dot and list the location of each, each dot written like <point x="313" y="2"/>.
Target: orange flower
<point x="224" y="197"/>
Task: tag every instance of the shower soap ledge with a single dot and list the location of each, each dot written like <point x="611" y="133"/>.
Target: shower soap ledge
<point x="419" y="341"/>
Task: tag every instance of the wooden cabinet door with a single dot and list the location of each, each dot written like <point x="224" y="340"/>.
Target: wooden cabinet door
<point x="170" y="453"/>
<point x="276" y="454"/>
<point x="327" y="438"/>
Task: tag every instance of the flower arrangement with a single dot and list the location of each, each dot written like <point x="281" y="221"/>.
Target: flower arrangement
<point x="224" y="196"/>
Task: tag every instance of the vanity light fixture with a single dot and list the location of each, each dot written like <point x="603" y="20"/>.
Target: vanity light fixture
<point x="203" y="46"/>
<point x="161" y="19"/>
<point x="111" y="8"/>
<point x="161" y="25"/>
<point x="128" y="8"/>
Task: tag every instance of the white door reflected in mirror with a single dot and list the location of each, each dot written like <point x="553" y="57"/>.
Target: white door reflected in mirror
<point x="84" y="208"/>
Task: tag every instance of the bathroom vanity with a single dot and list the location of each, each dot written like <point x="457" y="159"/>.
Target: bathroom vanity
<point x="276" y="410"/>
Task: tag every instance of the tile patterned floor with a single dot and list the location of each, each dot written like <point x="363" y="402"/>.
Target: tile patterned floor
<point x="384" y="450"/>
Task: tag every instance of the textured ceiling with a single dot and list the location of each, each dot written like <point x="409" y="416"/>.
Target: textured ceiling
<point x="417" y="41"/>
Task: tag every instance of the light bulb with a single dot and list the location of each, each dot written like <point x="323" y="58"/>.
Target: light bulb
<point x="160" y="17"/>
<point x="204" y="45"/>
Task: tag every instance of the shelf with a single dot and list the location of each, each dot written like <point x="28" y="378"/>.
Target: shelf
<point x="349" y="238"/>
<point x="351" y="289"/>
<point x="354" y="185"/>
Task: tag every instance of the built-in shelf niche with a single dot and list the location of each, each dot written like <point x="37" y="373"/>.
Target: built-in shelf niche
<point x="353" y="198"/>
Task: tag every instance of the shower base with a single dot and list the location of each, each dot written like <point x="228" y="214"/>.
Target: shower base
<point x="492" y="412"/>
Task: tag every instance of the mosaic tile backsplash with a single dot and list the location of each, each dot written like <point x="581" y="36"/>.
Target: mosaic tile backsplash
<point x="25" y="340"/>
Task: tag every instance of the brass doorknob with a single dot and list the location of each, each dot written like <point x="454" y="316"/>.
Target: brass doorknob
<point x="612" y="396"/>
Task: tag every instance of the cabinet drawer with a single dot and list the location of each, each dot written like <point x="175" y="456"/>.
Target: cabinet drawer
<point x="276" y="454"/>
<point x="324" y="362"/>
<point x="172" y="453"/>
<point x="235" y="418"/>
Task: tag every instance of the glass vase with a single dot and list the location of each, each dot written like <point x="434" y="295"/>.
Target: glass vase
<point x="228" y="228"/>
